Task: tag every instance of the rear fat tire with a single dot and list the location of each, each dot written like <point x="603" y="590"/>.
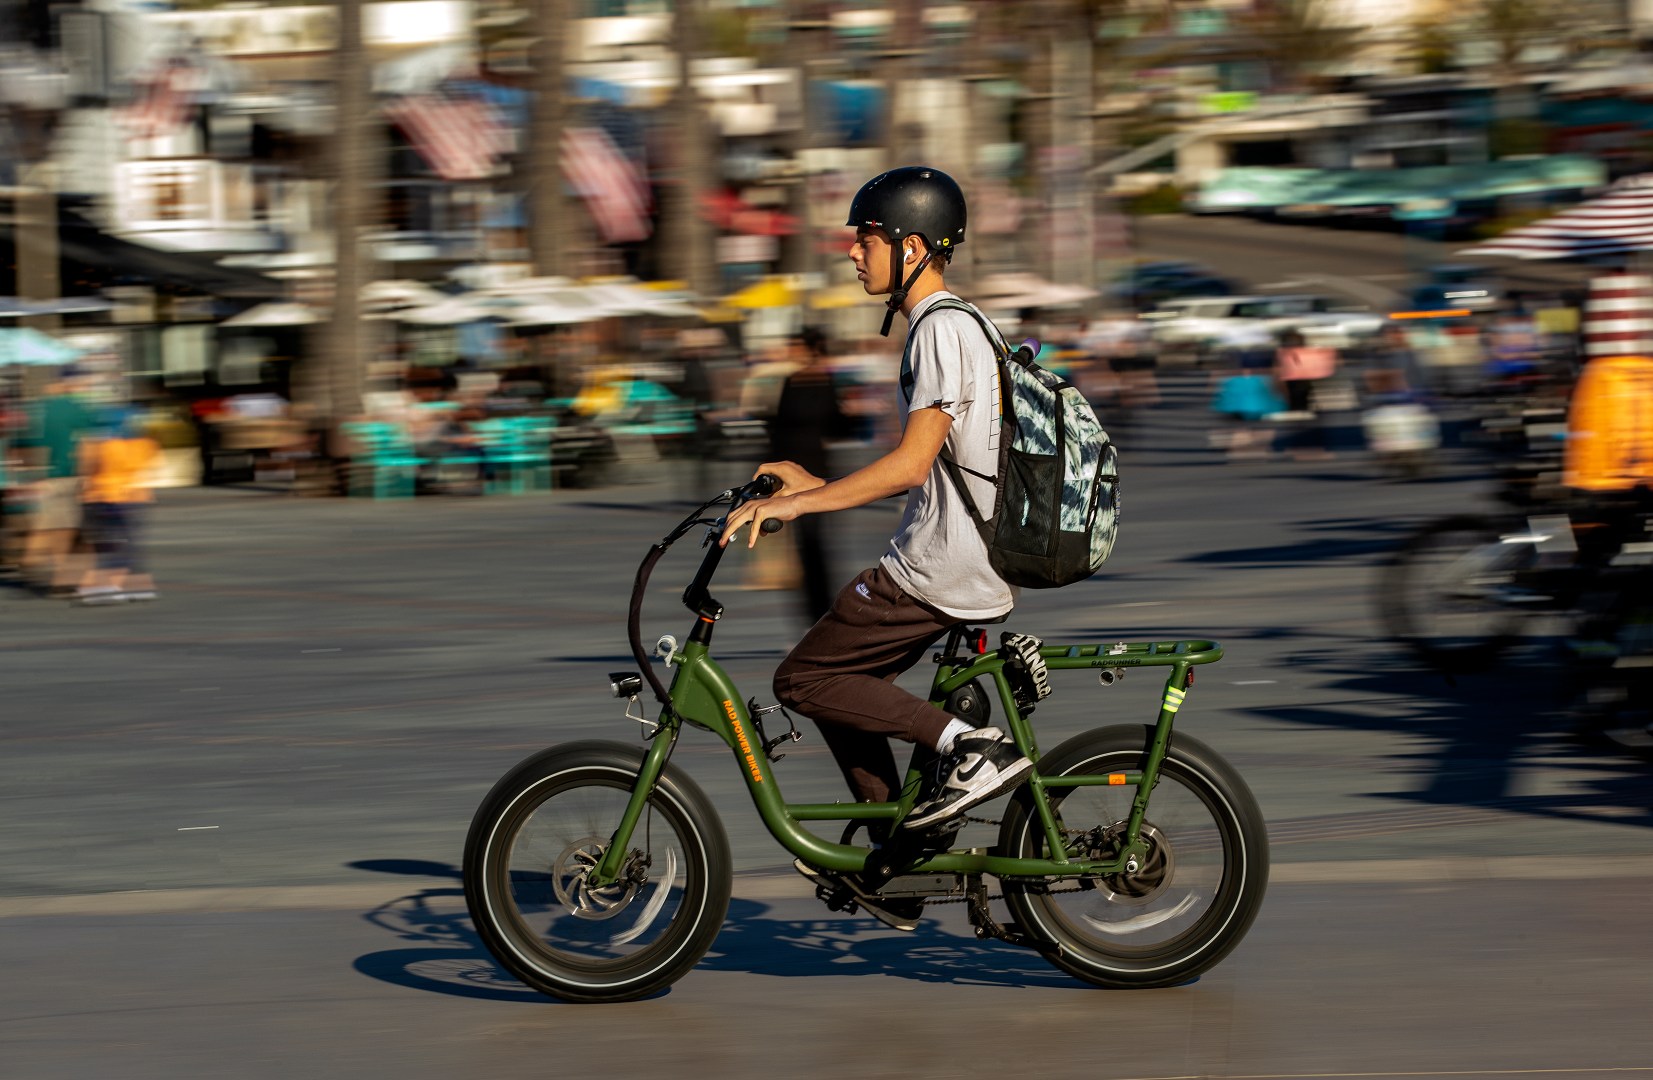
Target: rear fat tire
<point x="691" y="928"/>
<point x="1236" y="900"/>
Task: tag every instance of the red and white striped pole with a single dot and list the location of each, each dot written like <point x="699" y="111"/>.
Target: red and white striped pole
<point x="1618" y="316"/>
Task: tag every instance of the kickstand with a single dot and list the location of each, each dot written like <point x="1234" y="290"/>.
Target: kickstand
<point x="981" y="918"/>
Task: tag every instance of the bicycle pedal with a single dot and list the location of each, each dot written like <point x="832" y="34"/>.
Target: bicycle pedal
<point x="839" y="899"/>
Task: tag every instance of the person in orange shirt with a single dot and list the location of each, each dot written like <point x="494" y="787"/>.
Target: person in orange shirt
<point x="115" y="466"/>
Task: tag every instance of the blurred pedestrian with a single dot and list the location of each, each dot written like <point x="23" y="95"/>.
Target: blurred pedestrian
<point x="1247" y="394"/>
<point x="117" y="461"/>
<point x="59" y="421"/>
<point x="808" y="415"/>
<point x="1300" y="368"/>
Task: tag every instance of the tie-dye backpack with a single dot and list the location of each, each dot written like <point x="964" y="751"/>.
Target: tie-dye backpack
<point x="1056" y="495"/>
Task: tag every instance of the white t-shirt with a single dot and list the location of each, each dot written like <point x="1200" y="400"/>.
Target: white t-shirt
<point x="937" y="554"/>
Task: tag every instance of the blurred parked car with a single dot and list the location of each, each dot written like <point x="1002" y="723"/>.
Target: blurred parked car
<point x="1203" y="326"/>
<point x="1148" y="285"/>
<point x="1457" y="296"/>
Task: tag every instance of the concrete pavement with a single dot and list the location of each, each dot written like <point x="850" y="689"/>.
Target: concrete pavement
<point x="232" y="818"/>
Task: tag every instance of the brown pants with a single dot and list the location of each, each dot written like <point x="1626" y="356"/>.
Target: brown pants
<point x="841" y="675"/>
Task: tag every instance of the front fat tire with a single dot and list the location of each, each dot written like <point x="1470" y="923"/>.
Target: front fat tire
<point x="697" y="917"/>
<point x="1407" y="622"/>
<point x="1244" y="870"/>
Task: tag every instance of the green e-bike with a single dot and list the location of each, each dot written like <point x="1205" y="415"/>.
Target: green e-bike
<point x="598" y="871"/>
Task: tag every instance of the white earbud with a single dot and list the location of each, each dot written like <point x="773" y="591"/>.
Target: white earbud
<point x="909" y="256"/>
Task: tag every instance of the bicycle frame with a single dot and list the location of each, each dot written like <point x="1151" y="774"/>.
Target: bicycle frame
<point x="702" y="694"/>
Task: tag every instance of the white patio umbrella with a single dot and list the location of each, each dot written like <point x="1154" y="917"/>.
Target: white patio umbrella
<point x="528" y="286"/>
<point x="556" y="310"/>
<point x="1023" y="290"/>
<point x="387" y="296"/>
<point x="1617" y="223"/>
<point x="551" y="313"/>
<point x="632" y="298"/>
<point x="454" y="310"/>
<point x="275" y="313"/>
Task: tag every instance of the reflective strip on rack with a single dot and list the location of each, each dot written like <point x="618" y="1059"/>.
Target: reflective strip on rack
<point x="1173" y="698"/>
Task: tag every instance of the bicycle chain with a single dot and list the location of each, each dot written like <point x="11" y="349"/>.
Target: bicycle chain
<point x="968" y="820"/>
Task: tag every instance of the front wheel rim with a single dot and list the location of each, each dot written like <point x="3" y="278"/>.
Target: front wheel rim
<point x="640" y="933"/>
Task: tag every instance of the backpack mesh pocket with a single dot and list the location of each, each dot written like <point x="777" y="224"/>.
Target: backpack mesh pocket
<point x="1032" y="499"/>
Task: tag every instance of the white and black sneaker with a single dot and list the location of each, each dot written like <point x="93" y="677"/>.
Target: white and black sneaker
<point x="983" y="763"/>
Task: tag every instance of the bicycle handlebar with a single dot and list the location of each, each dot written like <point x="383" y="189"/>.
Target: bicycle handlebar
<point x="761" y="486"/>
<point x="695" y="596"/>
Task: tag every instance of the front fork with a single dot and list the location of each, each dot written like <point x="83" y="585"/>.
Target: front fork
<point x="607" y="870"/>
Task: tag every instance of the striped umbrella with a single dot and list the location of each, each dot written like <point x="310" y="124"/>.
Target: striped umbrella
<point x="1617" y="223"/>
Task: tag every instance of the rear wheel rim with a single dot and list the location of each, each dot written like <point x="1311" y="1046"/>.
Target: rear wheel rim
<point x="1179" y="900"/>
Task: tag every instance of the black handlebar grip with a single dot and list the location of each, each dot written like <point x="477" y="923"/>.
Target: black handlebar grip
<point x="764" y="485"/>
<point x="772" y="525"/>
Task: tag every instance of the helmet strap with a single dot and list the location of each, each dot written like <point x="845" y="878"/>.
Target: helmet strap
<point x="899" y="296"/>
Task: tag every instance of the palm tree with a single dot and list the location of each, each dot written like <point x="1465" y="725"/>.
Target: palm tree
<point x="1512" y="27"/>
<point x="1298" y="40"/>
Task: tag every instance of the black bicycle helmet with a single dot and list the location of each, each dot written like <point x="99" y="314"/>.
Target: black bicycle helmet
<point x="914" y="200"/>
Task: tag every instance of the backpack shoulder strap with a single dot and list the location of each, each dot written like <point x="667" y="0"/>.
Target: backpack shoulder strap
<point x="994" y="338"/>
<point x="1002" y="356"/>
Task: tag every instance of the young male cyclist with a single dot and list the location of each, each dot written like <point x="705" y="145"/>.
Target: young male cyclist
<point x="936" y="573"/>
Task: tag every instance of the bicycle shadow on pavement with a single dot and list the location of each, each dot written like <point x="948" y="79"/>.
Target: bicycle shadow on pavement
<point x="440" y="952"/>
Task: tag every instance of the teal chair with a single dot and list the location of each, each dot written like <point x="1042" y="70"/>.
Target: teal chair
<point x="383" y="464"/>
<point x="508" y="467"/>
<point x="519" y="453"/>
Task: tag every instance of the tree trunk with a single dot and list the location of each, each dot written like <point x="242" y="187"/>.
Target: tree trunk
<point x="690" y="241"/>
<point x="902" y="144"/>
<point x="36" y="231"/>
<point x="332" y="390"/>
<point x="555" y="235"/>
<point x="801" y="256"/>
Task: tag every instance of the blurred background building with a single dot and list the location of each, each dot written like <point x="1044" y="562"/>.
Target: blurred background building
<point x="168" y="168"/>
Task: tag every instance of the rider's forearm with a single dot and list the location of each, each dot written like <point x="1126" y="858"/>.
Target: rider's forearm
<point x="892" y="474"/>
<point x="896" y="472"/>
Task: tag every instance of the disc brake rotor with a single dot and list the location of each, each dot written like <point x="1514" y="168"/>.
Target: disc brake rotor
<point x="569" y="876"/>
<point x="1152" y="875"/>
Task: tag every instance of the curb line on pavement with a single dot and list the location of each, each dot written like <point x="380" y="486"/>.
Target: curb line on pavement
<point x="781" y="885"/>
